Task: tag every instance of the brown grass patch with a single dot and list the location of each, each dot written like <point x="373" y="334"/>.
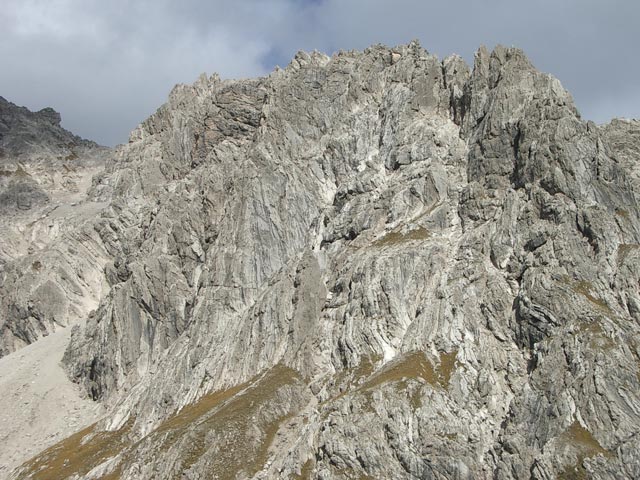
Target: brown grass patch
<point x="76" y="455"/>
<point x="587" y="446"/>
<point x="585" y="288"/>
<point x="305" y="472"/>
<point x="222" y="428"/>
<point x="350" y="473"/>
<point x="599" y="338"/>
<point x="397" y="237"/>
<point x="21" y="172"/>
<point x="231" y="430"/>
<point x="415" y="365"/>
<point x="624" y="249"/>
<point x="622" y="213"/>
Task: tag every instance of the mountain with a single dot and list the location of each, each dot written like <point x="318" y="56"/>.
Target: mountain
<point x="51" y="270"/>
<point x="38" y="157"/>
<point x="371" y="265"/>
<point x="45" y="176"/>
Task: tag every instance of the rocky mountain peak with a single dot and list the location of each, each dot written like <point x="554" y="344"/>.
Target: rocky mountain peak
<point x="50" y="115"/>
<point x="27" y="135"/>
<point x="374" y="264"/>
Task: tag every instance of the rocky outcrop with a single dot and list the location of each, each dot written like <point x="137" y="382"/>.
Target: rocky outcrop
<point x="371" y="265"/>
<point x="51" y="259"/>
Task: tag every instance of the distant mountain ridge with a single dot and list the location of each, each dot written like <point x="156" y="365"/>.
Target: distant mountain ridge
<point x="24" y="133"/>
<point x="45" y="177"/>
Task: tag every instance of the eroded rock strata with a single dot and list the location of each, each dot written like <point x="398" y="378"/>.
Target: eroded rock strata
<point x="371" y="265"/>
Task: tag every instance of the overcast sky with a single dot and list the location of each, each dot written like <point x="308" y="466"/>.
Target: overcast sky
<point x="107" y="65"/>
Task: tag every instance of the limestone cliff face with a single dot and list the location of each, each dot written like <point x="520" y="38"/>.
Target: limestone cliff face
<point x="371" y="265"/>
<point x="51" y="261"/>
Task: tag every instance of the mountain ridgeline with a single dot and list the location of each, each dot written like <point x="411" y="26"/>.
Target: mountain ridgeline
<point x="377" y="264"/>
<point x="51" y="260"/>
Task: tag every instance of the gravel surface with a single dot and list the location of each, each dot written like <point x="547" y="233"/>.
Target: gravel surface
<point x="39" y="405"/>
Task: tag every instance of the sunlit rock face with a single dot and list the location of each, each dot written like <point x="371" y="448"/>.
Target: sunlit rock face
<point x="372" y="265"/>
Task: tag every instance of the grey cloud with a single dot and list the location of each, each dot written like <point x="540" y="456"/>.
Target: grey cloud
<point x="108" y="65"/>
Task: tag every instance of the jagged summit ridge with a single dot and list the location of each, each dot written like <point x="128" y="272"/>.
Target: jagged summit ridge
<point x="24" y="133"/>
<point x="394" y="266"/>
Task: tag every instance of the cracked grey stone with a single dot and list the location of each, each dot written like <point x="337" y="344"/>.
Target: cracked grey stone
<point x="445" y="257"/>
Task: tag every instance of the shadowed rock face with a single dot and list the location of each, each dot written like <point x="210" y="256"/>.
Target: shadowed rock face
<point x="374" y="265"/>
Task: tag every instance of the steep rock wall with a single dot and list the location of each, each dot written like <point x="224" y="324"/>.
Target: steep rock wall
<point x="434" y="267"/>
